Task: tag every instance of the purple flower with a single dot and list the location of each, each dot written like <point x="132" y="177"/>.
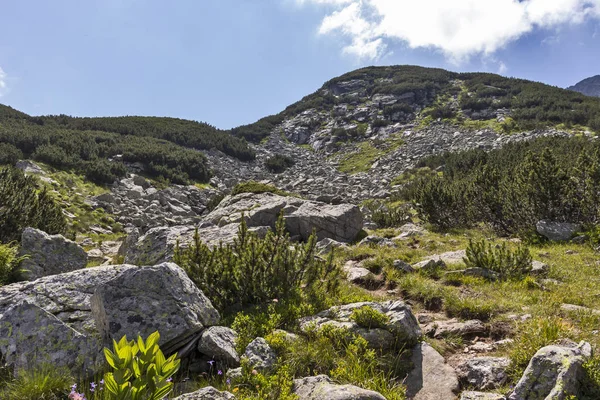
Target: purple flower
<point x="93" y="385"/>
<point x="228" y="381"/>
<point x="102" y="382"/>
<point x="169" y="379"/>
<point x="220" y="372"/>
<point x="211" y="362"/>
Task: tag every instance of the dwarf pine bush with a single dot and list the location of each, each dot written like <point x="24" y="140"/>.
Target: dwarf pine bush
<point x="506" y="263"/>
<point x="23" y="204"/>
<point x="255" y="271"/>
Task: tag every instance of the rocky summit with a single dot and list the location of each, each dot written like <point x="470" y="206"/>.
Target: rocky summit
<point x="401" y="233"/>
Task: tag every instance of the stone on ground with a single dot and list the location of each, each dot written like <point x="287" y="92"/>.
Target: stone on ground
<point x="431" y="378"/>
<point x="218" y="342"/>
<point x="469" y="395"/>
<point x="483" y="373"/>
<point x="321" y="387"/>
<point x="260" y="355"/>
<point x="557" y="231"/>
<point x="207" y="393"/>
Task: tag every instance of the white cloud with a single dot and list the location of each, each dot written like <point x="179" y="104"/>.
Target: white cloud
<point x="459" y="28"/>
<point x="2" y="82"/>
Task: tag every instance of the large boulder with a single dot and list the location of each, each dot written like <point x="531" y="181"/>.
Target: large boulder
<point x="483" y="373"/>
<point x="401" y="328"/>
<point x="431" y="378"/>
<point x="555" y="372"/>
<point x="49" y="254"/>
<point x="158" y="244"/>
<point x="322" y="388"/>
<point x="340" y="222"/>
<point x="557" y="231"/>
<point x="206" y="393"/>
<point x="66" y="319"/>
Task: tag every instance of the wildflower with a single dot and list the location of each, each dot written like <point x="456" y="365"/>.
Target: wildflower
<point x="211" y="362"/>
<point x="220" y="372"/>
<point x="102" y="381"/>
<point x="254" y="372"/>
<point x="169" y="379"/>
<point x="228" y="381"/>
<point x="275" y="301"/>
<point x="93" y="387"/>
<point x="73" y="387"/>
<point x="235" y="390"/>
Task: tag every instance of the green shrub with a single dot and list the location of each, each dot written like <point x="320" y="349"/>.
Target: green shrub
<point x="506" y="263"/>
<point x="254" y="270"/>
<point x="511" y="188"/>
<point x="9" y="264"/>
<point x="140" y="370"/>
<point x="279" y="163"/>
<point x="388" y="215"/>
<point x="369" y="318"/>
<point x="257" y="187"/>
<point x="23" y="205"/>
<point x="9" y="154"/>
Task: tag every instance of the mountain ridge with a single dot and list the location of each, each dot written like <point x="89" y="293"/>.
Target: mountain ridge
<point x="589" y="86"/>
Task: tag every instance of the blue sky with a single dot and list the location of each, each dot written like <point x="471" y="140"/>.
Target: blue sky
<point x="230" y="62"/>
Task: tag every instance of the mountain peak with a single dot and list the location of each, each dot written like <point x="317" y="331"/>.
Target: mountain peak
<point x="589" y="86"/>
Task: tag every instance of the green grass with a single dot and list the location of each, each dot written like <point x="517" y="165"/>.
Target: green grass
<point x="366" y="154"/>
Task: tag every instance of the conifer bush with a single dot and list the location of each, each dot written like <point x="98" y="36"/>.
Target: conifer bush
<point x="255" y="271"/>
<point x="506" y="263"/>
<point x="23" y="204"/>
<point x="279" y="163"/>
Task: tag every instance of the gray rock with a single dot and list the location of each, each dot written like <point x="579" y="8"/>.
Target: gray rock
<point x="66" y="319"/>
<point x="431" y="378"/>
<point x="579" y="309"/>
<point x="403" y="266"/>
<point x="429" y="265"/>
<point x="469" y="395"/>
<point x="557" y="231"/>
<point x="483" y="373"/>
<point x="234" y="373"/>
<point x="207" y="393"/>
<point x="354" y="273"/>
<point x="49" y="254"/>
<point x="340" y="222"/>
<point x="554" y="372"/>
<point x="453" y="327"/>
<point x="327" y="245"/>
<point x="260" y="354"/>
<point x="218" y="342"/>
<point x="402" y="326"/>
<point x="158" y="244"/>
<point x="29" y="167"/>
<point x="322" y="388"/>
<point x="539" y="268"/>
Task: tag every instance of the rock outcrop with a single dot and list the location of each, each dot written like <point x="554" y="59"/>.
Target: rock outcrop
<point x="260" y="355"/>
<point x="321" y="387"/>
<point x="402" y="326"/>
<point x="49" y="254"/>
<point x="554" y="372"/>
<point x="66" y="319"/>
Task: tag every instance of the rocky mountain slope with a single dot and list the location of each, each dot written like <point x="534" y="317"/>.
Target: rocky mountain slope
<point x="589" y="86"/>
<point x="258" y="255"/>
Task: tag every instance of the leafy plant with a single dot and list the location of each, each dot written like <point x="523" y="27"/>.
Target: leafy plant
<point x="140" y="370"/>
<point x="388" y="215"/>
<point x="254" y="270"/>
<point x="506" y="263"/>
<point x="369" y="318"/>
